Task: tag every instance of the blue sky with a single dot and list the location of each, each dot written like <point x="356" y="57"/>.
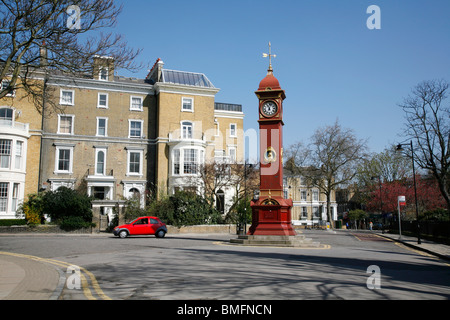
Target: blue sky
<point x="328" y="62"/>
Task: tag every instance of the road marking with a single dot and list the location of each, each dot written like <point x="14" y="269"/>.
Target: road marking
<point x="84" y="281"/>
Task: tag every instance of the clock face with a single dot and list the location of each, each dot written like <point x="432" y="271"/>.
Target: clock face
<point x="269" y="108"/>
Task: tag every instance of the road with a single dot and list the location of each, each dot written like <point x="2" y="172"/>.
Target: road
<point x="207" y="266"/>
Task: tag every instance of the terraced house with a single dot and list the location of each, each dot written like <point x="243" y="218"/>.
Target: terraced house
<point x="118" y="137"/>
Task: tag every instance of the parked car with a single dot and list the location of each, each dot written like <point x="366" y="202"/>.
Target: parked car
<point x="142" y="226"/>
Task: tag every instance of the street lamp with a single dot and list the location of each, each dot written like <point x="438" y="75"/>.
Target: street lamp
<point x="399" y="147"/>
<point x="381" y="202"/>
<point x="244" y="222"/>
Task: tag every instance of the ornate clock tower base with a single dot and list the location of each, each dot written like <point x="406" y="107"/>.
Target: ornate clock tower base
<point x="272" y="217"/>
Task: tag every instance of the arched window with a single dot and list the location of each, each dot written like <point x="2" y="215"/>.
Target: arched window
<point x="134" y="193"/>
<point x="100" y="162"/>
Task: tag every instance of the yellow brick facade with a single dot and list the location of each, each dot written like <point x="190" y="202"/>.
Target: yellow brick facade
<point x="310" y="204"/>
<point x="19" y="176"/>
<point x="114" y="137"/>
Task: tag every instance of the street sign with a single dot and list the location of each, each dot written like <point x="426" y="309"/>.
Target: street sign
<point x="402" y="200"/>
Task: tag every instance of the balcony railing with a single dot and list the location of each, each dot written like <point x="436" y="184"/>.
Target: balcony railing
<point x="13" y="124"/>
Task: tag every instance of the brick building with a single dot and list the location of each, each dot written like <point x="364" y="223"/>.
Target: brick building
<point x="117" y="137"/>
<point x="310" y="204"/>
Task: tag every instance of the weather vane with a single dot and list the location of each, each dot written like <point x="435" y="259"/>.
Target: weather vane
<point x="270" y="55"/>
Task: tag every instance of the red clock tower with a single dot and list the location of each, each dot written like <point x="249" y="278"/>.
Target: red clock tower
<point x="271" y="213"/>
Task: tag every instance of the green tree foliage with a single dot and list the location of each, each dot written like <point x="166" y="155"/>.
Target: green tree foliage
<point x="185" y="209"/>
<point x="357" y="214"/>
<point x="68" y="208"/>
<point x="33" y="209"/>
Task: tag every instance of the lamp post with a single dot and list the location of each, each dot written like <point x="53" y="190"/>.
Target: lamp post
<point x="244" y="222"/>
<point x="381" y="202"/>
<point x="399" y="147"/>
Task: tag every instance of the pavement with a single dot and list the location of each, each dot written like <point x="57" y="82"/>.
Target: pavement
<point x="25" y="277"/>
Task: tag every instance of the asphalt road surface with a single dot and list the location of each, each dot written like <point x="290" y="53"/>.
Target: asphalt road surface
<point x="350" y="265"/>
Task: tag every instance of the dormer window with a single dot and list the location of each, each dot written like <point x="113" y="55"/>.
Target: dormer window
<point x="103" y="74"/>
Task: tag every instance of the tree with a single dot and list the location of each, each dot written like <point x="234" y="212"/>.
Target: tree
<point x="428" y="195"/>
<point x="387" y="166"/>
<point x="356" y="215"/>
<point x="223" y="175"/>
<point x="185" y="209"/>
<point x="56" y="36"/>
<point x="330" y="160"/>
<point x="68" y="208"/>
<point x="428" y="126"/>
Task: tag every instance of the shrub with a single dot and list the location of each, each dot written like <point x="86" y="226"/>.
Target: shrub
<point x="133" y="209"/>
<point x="436" y="215"/>
<point x="67" y="206"/>
<point x="73" y="223"/>
<point x="33" y="209"/>
<point x="12" y="222"/>
<point x="185" y="209"/>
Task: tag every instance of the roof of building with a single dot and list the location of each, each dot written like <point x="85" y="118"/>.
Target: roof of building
<point x="185" y="78"/>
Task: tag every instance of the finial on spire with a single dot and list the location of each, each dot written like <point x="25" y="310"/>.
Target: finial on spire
<point x="270" y="55"/>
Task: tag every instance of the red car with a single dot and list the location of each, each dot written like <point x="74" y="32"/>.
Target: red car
<point x="142" y="226"/>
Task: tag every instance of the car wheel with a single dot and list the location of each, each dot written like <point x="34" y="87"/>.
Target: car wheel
<point x="123" y="234"/>
<point x="160" y="234"/>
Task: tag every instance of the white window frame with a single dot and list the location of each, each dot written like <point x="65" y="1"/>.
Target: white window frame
<point x="195" y="163"/>
<point x="315" y="195"/>
<point x="199" y="160"/>
<point x="15" y="196"/>
<point x="101" y="69"/>
<point x="7" y="156"/>
<point x="233" y="132"/>
<point x="4" y="200"/>
<point x="107" y="101"/>
<point x="72" y="124"/>
<point x="141" y="161"/>
<point x="18" y="154"/>
<point x="2" y="85"/>
<point x="64" y="103"/>
<point x="13" y="114"/>
<point x="58" y="148"/>
<point x="186" y="124"/>
<point x="217" y="128"/>
<point x="105" y="153"/>
<point x="141" y="104"/>
<point x="304" y="212"/>
<point x="106" y="127"/>
<point x="303" y="195"/>
<point x="189" y="101"/>
<point x="233" y="158"/>
<point x="176" y="160"/>
<point x="129" y="129"/>
<point x="316" y="212"/>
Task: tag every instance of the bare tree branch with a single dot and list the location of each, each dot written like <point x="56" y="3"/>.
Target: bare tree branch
<point x="331" y="159"/>
<point x="30" y="28"/>
<point x="428" y="126"/>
